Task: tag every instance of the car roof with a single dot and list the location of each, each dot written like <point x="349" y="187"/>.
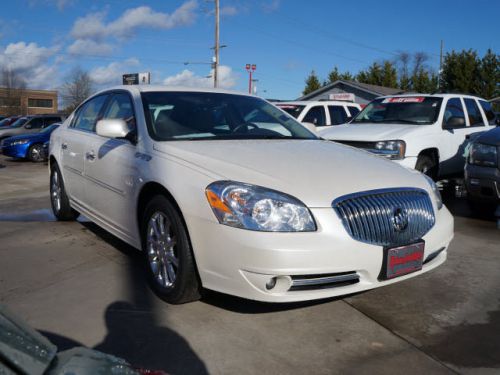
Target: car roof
<point x="306" y="102"/>
<point x="441" y="95"/>
<point x="163" y="88"/>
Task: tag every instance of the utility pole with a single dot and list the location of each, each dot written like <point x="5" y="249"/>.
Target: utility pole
<point x="440" y="66"/>
<point x="217" y="46"/>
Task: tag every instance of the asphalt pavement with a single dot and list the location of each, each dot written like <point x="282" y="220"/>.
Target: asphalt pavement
<point x="79" y="285"/>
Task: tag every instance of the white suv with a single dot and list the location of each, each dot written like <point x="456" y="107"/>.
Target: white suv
<point x="424" y="132"/>
<point x="322" y="114"/>
<point x="224" y="191"/>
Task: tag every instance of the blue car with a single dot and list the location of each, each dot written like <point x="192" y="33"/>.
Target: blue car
<point x="28" y="146"/>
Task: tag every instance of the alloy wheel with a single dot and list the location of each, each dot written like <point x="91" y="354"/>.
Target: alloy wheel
<point x="55" y="191"/>
<point x="161" y="250"/>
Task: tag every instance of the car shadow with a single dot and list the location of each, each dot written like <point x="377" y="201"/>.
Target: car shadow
<point x="461" y="207"/>
<point x="136" y="329"/>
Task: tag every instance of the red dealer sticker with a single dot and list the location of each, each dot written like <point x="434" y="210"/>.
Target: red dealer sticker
<point x="406" y="99"/>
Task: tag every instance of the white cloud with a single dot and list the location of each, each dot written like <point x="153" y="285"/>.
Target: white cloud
<point x="271" y="6"/>
<point x="228" y="11"/>
<point x="227" y="79"/>
<point x="93" y="25"/>
<point x="90" y="47"/>
<point x="112" y="73"/>
<point x="32" y="63"/>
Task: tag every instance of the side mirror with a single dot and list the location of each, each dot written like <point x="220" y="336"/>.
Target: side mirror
<point x="497" y="121"/>
<point x="112" y="128"/>
<point x="310" y="126"/>
<point x="454" y="122"/>
<point x="27" y="126"/>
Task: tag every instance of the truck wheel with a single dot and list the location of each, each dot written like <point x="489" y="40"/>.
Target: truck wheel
<point x="167" y="252"/>
<point x="58" y="197"/>
<point x="35" y="153"/>
<point x="427" y="166"/>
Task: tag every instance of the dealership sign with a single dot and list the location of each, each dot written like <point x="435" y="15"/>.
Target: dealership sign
<point x="346" y="97"/>
<point x="137" y="78"/>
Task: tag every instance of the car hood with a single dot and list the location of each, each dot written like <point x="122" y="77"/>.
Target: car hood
<point x="369" y="132"/>
<point x="314" y="171"/>
<point x="491" y="137"/>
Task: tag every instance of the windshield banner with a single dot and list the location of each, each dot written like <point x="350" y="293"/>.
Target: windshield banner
<point x="415" y="99"/>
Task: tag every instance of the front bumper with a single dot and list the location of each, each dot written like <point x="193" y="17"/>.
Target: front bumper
<point x="242" y="262"/>
<point x="17" y="151"/>
<point x="482" y="182"/>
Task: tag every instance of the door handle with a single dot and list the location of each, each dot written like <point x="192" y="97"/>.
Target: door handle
<point x="64" y="146"/>
<point x="90" y="155"/>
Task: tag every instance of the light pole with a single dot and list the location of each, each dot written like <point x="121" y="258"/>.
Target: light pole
<point x="217" y="47"/>
<point x="250" y="69"/>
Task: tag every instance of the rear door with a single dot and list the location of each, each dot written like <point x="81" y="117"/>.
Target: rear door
<point x="452" y="159"/>
<point x="110" y="168"/>
<point x="74" y="142"/>
<point x="338" y="114"/>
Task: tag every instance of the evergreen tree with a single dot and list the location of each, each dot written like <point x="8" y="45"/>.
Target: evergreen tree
<point x="334" y="75"/>
<point x="489" y="75"/>
<point x="461" y="72"/>
<point x="389" y="75"/>
<point x="347" y="76"/>
<point x="312" y="83"/>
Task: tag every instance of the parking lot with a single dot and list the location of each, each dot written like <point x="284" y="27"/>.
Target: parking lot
<point x="79" y="285"/>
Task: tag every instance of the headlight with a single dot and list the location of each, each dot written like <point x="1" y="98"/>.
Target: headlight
<point x="391" y="149"/>
<point x="256" y="208"/>
<point x="20" y="142"/>
<point x="484" y="155"/>
<point x="435" y="190"/>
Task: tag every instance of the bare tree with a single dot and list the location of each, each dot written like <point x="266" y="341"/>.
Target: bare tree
<point x="419" y="62"/>
<point x="78" y="86"/>
<point x="13" y="87"/>
<point x="403" y="63"/>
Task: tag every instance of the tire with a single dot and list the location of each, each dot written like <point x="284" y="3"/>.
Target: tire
<point x="481" y="209"/>
<point x="35" y="153"/>
<point x="168" y="256"/>
<point x="58" y="197"/>
<point x="427" y="165"/>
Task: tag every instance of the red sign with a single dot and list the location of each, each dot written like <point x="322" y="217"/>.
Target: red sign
<point x="254" y="66"/>
<point x="247" y="66"/>
<point x="405" y="99"/>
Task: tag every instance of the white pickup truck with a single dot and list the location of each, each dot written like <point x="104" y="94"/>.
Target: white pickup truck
<point x="424" y="132"/>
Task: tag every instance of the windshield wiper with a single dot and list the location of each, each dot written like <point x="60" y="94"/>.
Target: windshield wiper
<point x="400" y="120"/>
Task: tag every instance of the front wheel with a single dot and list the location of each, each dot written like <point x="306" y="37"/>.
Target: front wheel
<point x="167" y="252"/>
<point x="35" y="153"/>
<point x="58" y="197"/>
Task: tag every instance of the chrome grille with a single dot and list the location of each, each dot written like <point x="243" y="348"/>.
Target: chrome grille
<point x="378" y="216"/>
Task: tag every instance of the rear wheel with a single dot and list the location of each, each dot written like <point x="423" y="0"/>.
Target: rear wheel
<point x="427" y="165"/>
<point x="58" y="197"/>
<point x="167" y="252"/>
<point x="35" y="153"/>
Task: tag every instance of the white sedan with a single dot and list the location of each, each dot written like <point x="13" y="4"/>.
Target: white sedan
<point x="224" y="191"/>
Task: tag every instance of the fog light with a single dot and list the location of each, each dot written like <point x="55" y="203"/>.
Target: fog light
<point x="271" y="283"/>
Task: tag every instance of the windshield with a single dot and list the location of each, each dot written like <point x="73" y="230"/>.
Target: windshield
<point x="50" y="129"/>
<point x="418" y="110"/>
<point x="19" y="122"/>
<point x="292" y="109"/>
<point x="202" y="115"/>
<point x="4" y="122"/>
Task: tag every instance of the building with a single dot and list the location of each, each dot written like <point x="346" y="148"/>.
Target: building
<point x="363" y="92"/>
<point x="27" y="102"/>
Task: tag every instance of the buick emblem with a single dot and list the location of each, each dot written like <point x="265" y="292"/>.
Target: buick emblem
<point x="400" y="219"/>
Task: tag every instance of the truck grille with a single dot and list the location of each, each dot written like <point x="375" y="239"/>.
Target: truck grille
<point x="388" y="217"/>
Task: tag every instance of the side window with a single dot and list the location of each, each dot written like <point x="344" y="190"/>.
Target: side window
<point x="353" y="110"/>
<point x="454" y="116"/>
<point x="51" y="120"/>
<point x="120" y="106"/>
<point x="488" y="111"/>
<point x="475" y="117"/>
<point x="87" y="114"/>
<point x="316" y="116"/>
<point x="36" y="123"/>
<point x="337" y="114"/>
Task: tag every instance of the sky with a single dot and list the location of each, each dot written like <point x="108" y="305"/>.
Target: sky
<point x="286" y="39"/>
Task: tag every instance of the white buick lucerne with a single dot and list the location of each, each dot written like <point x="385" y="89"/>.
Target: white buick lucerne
<point x="225" y="191"/>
